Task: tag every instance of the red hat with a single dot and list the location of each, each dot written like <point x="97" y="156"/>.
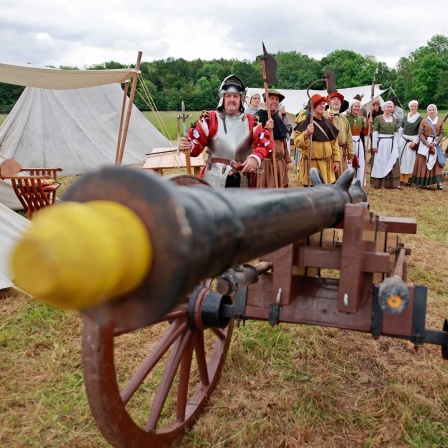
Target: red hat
<point x="316" y="99"/>
<point x="337" y="95"/>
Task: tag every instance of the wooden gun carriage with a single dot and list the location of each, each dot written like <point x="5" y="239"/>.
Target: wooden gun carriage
<point x="317" y="256"/>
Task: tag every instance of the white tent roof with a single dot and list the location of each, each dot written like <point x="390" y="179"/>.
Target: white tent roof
<point x="295" y="100"/>
<point x="55" y="79"/>
<point x="12" y="225"/>
<point x="76" y="130"/>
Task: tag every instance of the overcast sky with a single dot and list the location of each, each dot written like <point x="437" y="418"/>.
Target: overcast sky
<point x="85" y="32"/>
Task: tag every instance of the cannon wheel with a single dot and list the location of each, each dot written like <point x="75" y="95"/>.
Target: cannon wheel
<point x="187" y="180"/>
<point x="153" y="402"/>
<point x="166" y="393"/>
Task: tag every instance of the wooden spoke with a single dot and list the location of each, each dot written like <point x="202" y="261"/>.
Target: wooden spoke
<point x="184" y="378"/>
<point x="219" y="333"/>
<point x="153" y="358"/>
<point x="167" y="379"/>
<point x="201" y="359"/>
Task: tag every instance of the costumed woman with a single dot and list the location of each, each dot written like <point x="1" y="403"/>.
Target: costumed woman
<point x="254" y="104"/>
<point x="358" y="125"/>
<point x="408" y="142"/>
<point x="426" y="170"/>
<point x="385" y="164"/>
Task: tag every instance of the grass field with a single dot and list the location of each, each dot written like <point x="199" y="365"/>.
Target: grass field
<point x="285" y="386"/>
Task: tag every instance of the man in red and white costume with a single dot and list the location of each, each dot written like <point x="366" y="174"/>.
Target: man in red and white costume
<point x="236" y="143"/>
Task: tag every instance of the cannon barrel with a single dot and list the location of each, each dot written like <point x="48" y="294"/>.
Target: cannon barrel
<point x="199" y="232"/>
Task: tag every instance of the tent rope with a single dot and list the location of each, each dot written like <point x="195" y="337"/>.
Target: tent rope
<point x="393" y="91"/>
<point x="149" y="101"/>
<point x="152" y="105"/>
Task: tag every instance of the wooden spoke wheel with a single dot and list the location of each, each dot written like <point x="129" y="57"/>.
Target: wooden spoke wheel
<point x="148" y="400"/>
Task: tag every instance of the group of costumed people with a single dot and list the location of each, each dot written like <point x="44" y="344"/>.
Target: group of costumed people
<point x="333" y="140"/>
<point x="240" y="149"/>
<point x="249" y="147"/>
<point x="407" y="154"/>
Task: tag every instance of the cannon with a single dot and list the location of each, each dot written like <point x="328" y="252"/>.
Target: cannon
<point x="211" y="258"/>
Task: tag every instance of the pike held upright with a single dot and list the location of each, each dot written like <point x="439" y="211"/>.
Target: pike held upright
<point x="269" y="67"/>
<point x="183" y="117"/>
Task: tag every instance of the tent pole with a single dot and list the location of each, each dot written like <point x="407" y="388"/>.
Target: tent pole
<point x="125" y="96"/>
<point x="130" y="104"/>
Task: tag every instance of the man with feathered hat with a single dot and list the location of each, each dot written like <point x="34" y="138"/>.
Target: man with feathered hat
<point x="236" y="143"/>
<point x="336" y="106"/>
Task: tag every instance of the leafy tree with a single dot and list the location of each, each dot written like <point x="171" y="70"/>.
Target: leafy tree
<point x="344" y="64"/>
<point x="111" y="65"/>
<point x="295" y="70"/>
<point x="426" y="78"/>
<point x="67" y="67"/>
<point x="209" y="70"/>
<point x="9" y="94"/>
<point x="147" y="95"/>
<point x="250" y="74"/>
<point x="205" y="95"/>
<point x="423" y="75"/>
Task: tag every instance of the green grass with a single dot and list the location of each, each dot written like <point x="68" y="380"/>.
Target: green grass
<point x="169" y="124"/>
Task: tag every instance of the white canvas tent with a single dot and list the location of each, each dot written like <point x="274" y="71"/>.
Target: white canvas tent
<point x="295" y="100"/>
<point x="75" y="129"/>
<point x="12" y="225"/>
<point x="71" y="119"/>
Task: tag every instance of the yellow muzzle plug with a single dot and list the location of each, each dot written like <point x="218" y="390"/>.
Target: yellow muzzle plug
<point x="78" y="255"/>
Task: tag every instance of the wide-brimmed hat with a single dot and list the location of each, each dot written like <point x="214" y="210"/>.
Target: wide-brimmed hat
<point x="274" y="92"/>
<point x="344" y="102"/>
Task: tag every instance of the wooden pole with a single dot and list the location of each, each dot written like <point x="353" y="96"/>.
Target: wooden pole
<point x="188" y="161"/>
<point x="369" y="130"/>
<point x="268" y="109"/>
<point x="125" y="96"/>
<point x="184" y="117"/>
<point x="310" y="146"/>
<point x="130" y="104"/>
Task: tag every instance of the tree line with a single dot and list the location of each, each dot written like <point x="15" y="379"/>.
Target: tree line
<point x="422" y="75"/>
